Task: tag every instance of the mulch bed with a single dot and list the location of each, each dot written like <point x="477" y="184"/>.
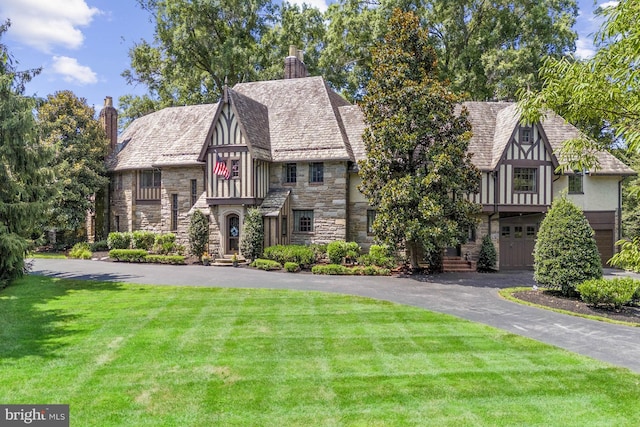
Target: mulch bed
<point x="554" y="299"/>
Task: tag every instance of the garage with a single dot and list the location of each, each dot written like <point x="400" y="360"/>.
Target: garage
<point x="517" y="239"/>
<point x="603" y="224"/>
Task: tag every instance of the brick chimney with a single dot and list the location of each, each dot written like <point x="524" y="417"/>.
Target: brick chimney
<point x="294" y="67"/>
<point x="109" y="121"/>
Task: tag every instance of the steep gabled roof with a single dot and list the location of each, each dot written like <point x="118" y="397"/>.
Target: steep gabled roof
<point x="169" y="137"/>
<point x="303" y="124"/>
<point x="253" y="118"/>
<point x="494" y="123"/>
<point x="354" y="124"/>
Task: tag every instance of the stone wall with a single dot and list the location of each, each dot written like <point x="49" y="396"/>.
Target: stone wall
<point x="358" y="225"/>
<point x="472" y="249"/>
<point x="177" y="180"/>
<point x="122" y="200"/>
<point x="328" y="200"/>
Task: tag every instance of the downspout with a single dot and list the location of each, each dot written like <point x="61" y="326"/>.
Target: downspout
<point x="620" y="208"/>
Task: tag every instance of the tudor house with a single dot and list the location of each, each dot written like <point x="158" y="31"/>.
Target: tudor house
<point x="291" y="148"/>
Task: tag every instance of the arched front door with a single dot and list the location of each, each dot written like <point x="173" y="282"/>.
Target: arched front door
<point x="233" y="234"/>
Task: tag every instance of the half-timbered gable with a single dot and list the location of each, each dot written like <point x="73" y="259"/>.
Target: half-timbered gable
<point x="240" y="140"/>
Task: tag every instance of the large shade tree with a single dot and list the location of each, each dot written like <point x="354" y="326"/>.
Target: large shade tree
<point x="601" y="95"/>
<point x="417" y="170"/>
<point x="487" y="50"/>
<point x="24" y="178"/>
<point x="79" y="143"/>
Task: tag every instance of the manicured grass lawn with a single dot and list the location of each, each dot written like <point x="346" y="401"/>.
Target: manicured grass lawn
<point x="133" y="355"/>
<point x="47" y="255"/>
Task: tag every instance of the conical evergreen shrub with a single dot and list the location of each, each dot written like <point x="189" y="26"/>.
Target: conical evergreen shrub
<point x="565" y="253"/>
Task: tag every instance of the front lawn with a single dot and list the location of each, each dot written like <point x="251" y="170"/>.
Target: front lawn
<point x="136" y="355"/>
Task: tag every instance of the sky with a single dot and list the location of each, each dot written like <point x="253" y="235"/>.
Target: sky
<point x="83" y="45"/>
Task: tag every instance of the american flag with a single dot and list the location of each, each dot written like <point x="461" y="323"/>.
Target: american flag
<point x="221" y="167"/>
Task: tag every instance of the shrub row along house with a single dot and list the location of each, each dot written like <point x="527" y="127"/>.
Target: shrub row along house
<point x="291" y="147"/>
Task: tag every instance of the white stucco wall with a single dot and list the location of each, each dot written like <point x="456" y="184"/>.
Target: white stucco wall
<point x="355" y="196"/>
<point x="600" y="192"/>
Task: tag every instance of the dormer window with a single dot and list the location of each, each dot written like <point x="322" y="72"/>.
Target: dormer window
<point x="526" y="136"/>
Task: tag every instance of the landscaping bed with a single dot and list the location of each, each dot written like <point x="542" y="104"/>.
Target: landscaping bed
<point x="555" y="300"/>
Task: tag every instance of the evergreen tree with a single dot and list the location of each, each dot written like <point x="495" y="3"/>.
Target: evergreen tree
<point x="24" y="177"/>
<point x="198" y="233"/>
<point x="417" y="170"/>
<point x="565" y="253"/>
<point x="488" y="256"/>
<point x="252" y="239"/>
<point x="79" y="143"/>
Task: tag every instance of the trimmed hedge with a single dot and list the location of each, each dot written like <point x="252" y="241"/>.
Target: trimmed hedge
<point x="165" y="259"/>
<point x="128" y="255"/>
<point x="379" y="256"/>
<point x="266" y="264"/>
<point x="301" y="255"/>
<point x="616" y="292"/>
<point x="291" y="267"/>
<point x="331" y="269"/>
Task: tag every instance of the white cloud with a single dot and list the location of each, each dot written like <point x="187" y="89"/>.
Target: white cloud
<point x="43" y="24"/>
<point x="584" y="48"/>
<point x="73" y="72"/>
<point x="608" y="4"/>
<point x="318" y="4"/>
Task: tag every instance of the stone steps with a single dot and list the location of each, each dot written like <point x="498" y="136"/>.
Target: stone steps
<point x="457" y="265"/>
<point x="227" y="261"/>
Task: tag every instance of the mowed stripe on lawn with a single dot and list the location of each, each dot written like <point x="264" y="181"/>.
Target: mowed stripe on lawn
<point x="134" y="355"/>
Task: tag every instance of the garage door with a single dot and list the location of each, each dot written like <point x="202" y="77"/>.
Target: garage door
<point x="517" y="240"/>
<point x="604" y="241"/>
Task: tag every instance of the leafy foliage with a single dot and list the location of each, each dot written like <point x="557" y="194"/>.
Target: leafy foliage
<point x="198" y="233"/>
<point x="417" y="170"/>
<point x="266" y="264"/>
<point x="380" y="256"/>
<point x="565" y="252"/>
<point x="628" y="255"/>
<point x="615" y="292"/>
<point x="252" y="238"/>
<point x="291" y="267"/>
<point x="340" y="250"/>
<point x="602" y="92"/>
<point x="143" y="239"/>
<point x="128" y="255"/>
<point x="80" y="250"/>
<point x="24" y="176"/>
<point x="67" y="125"/>
<point x="331" y="269"/>
<point x="119" y="240"/>
<point x="165" y="259"/>
<point x="302" y="255"/>
<point x="488" y="256"/>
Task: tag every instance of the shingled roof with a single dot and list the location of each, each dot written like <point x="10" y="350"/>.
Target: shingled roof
<point x="169" y="137"/>
<point x="493" y="124"/>
<point x="303" y="120"/>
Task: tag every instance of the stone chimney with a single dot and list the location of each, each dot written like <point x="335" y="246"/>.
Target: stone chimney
<point x="109" y="121"/>
<point x="294" y="67"/>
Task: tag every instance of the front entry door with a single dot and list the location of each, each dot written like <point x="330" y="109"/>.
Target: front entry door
<point x="233" y="234"/>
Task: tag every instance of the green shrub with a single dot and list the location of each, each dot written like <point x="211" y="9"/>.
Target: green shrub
<point x="291" y="267"/>
<point x="331" y="269"/>
<point x="299" y="254"/>
<point x="166" y="244"/>
<point x="340" y="250"/>
<point x="99" y="246"/>
<point x="616" y="292"/>
<point x="252" y="237"/>
<point x="165" y="259"/>
<point x="319" y="251"/>
<point x="128" y="255"/>
<point x="117" y="240"/>
<point x="378" y="256"/>
<point x="143" y="239"/>
<point x="266" y="264"/>
<point x="198" y="233"/>
<point x="488" y="257"/>
<point x="565" y="252"/>
<point x="370" y="270"/>
<point x="81" y="251"/>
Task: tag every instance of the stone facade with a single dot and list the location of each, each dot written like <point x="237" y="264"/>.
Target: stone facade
<point x="328" y="200"/>
<point x="177" y="181"/>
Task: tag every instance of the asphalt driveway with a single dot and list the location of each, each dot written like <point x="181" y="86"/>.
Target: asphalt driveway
<point x="470" y="296"/>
